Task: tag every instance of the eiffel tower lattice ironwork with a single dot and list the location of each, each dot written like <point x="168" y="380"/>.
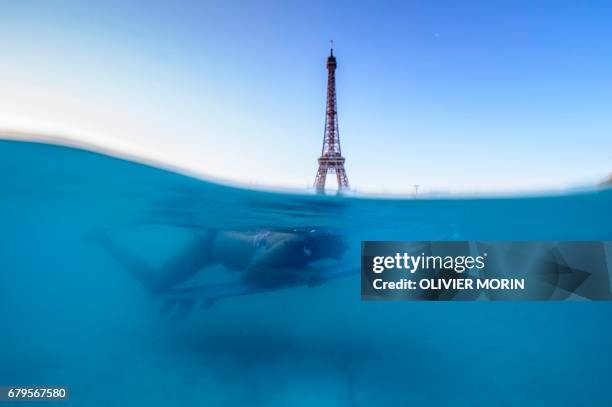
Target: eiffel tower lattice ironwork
<point x="331" y="159"/>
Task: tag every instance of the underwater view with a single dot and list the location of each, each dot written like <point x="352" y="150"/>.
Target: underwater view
<point x="103" y="263"/>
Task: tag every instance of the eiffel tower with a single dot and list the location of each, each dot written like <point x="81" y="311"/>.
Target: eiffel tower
<point x="331" y="159"/>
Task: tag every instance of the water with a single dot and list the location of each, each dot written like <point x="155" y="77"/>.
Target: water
<point x="70" y="315"/>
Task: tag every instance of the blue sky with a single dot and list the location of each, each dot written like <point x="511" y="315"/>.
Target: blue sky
<point x="455" y="96"/>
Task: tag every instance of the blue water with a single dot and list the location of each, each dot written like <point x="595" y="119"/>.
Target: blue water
<point x="70" y="315"/>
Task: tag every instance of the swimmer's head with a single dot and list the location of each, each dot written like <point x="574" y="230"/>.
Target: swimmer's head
<point x="324" y="244"/>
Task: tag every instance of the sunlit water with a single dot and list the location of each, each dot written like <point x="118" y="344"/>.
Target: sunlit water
<point x="70" y="315"/>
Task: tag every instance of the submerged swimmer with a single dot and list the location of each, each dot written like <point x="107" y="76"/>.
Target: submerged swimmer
<point x="265" y="258"/>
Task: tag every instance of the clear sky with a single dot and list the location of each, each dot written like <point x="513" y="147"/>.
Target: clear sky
<point x="454" y="96"/>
